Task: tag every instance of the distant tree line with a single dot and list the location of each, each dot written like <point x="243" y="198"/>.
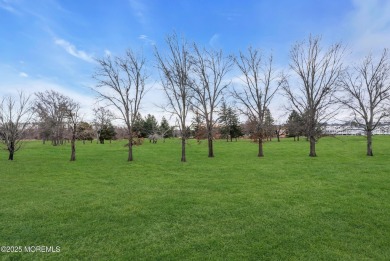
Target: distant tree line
<point x="197" y="81"/>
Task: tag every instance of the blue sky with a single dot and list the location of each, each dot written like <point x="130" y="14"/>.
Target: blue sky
<point x="51" y="44"/>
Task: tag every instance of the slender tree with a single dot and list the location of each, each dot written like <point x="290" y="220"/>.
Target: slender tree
<point x="121" y="83"/>
<point x="210" y="69"/>
<point x="15" y="118"/>
<point x="73" y="115"/>
<point x="175" y="69"/>
<point x="260" y="83"/>
<point x="366" y="89"/>
<point x="318" y="72"/>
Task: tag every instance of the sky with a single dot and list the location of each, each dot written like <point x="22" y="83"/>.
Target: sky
<point x="53" y="44"/>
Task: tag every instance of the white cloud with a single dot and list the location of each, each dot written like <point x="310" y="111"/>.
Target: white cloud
<point x="146" y="39"/>
<point x="107" y="52"/>
<point x="370" y="25"/>
<point x="214" y="41"/>
<point x="23" y="74"/>
<point x="72" y="50"/>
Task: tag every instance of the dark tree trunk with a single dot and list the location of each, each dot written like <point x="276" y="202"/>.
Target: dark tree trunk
<point x="261" y="153"/>
<point x="298" y="138"/>
<point x="294" y="138"/>
<point x="11" y="150"/>
<point x="130" y="156"/>
<point x="73" y="145"/>
<point x="278" y="136"/>
<point x="83" y="141"/>
<point x="369" y="143"/>
<point x="211" y="147"/>
<point x="183" y="149"/>
<point x="312" y="147"/>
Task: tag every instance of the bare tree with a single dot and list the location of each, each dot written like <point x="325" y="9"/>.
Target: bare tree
<point x="367" y="93"/>
<point x="73" y="115"/>
<point x="15" y="117"/>
<point x="103" y="117"/>
<point x="52" y="107"/>
<point x="121" y="83"/>
<point x="175" y="71"/>
<point x="210" y="69"/>
<point x="261" y="82"/>
<point x="318" y="72"/>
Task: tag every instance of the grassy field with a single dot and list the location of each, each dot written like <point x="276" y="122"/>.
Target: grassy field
<point x="285" y="206"/>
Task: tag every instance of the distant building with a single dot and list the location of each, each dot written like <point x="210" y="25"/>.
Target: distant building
<point x="351" y="129"/>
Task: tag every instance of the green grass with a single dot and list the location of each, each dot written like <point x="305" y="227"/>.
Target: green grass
<point x="285" y="206"/>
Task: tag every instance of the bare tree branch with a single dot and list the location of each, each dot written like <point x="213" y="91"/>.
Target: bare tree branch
<point x="175" y="71"/>
<point x="261" y="82"/>
<point x="318" y="72"/>
<point x="210" y="69"/>
<point x="366" y="92"/>
<point x="15" y="117"/>
<point x="121" y="83"/>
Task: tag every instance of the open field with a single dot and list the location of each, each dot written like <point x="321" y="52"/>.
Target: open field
<point x="232" y="207"/>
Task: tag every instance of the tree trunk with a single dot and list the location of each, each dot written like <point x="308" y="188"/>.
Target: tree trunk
<point x="211" y="147"/>
<point x="298" y="138"/>
<point x="11" y="150"/>
<point x="369" y="143"/>
<point x="312" y="147"/>
<point x="130" y="140"/>
<point x="183" y="149"/>
<point x="261" y="153"/>
<point x="73" y="145"/>
<point x="294" y="138"/>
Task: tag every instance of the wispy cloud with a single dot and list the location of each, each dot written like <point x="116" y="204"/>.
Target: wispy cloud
<point x="146" y="39"/>
<point x="72" y="50"/>
<point x="107" y="52"/>
<point x="23" y="74"/>
<point x="214" y="41"/>
<point x="370" y="23"/>
<point x="139" y="10"/>
<point x="6" y="5"/>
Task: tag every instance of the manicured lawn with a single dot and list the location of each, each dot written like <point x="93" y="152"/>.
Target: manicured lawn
<point x="285" y="206"/>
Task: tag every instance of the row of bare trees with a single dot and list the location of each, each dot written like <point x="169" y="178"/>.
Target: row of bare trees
<point x="194" y="78"/>
<point x="197" y="79"/>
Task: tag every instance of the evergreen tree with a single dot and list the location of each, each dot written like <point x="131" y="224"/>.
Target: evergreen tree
<point x="229" y="122"/>
<point x="165" y="130"/>
<point x="107" y="132"/>
<point x="150" y="126"/>
<point x="268" y="124"/>
<point x="295" y="125"/>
